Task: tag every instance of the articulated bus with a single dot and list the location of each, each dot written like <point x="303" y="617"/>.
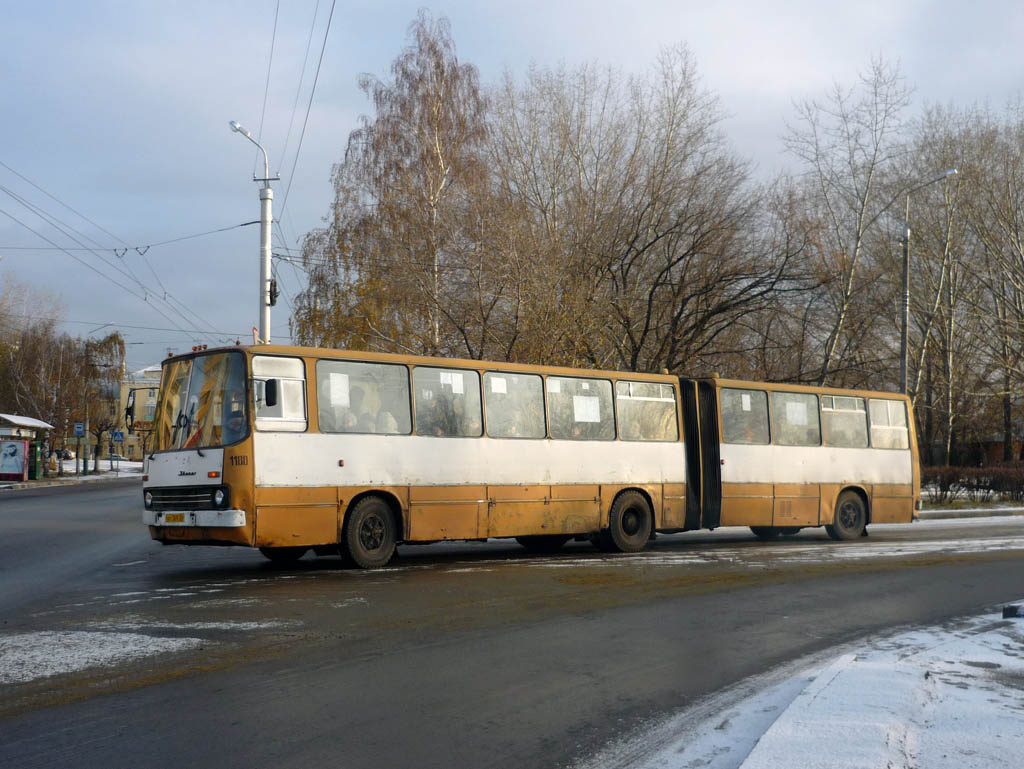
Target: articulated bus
<point x="289" y="449"/>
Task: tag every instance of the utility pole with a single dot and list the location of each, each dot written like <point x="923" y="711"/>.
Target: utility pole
<point x="266" y="218"/>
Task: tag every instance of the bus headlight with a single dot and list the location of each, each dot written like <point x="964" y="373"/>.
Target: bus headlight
<point x="147" y="499"/>
<point x="218" y="497"/>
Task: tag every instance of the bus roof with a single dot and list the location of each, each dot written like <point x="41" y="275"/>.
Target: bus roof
<point x="775" y="386"/>
<point x="423" y="360"/>
<point x="480" y="365"/>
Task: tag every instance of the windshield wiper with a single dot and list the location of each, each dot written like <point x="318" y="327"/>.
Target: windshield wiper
<point x="179" y="422"/>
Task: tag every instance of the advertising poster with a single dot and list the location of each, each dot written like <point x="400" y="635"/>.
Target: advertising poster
<point x="13" y="460"/>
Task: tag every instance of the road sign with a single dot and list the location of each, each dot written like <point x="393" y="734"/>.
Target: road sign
<point x="118" y="436"/>
<point x="79" y="429"/>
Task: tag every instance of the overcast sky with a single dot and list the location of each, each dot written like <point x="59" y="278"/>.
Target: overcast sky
<point x="120" y="111"/>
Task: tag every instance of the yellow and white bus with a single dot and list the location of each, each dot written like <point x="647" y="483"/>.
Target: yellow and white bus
<point x="289" y="448"/>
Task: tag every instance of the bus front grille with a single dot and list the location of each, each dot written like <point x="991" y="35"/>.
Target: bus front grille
<point x="183" y="498"/>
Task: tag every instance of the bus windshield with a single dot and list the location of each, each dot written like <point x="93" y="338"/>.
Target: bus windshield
<point x="202" y="402"/>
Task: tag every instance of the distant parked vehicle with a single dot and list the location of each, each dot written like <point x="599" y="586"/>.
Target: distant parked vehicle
<point x="118" y="458"/>
<point x="68" y="454"/>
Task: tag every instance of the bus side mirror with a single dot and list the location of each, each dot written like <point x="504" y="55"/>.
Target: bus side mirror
<point x="270" y="392"/>
<point x="129" y="411"/>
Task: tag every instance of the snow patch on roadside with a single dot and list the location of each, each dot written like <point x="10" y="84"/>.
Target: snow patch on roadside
<point x="142" y="623"/>
<point x="945" y="697"/>
<point x="30" y="656"/>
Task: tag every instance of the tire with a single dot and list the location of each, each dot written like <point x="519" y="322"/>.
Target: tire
<point x="544" y="543"/>
<point x="630" y="522"/>
<point x="851" y="517"/>
<point x="765" y="533"/>
<point x="370" y="533"/>
<point x="283" y="555"/>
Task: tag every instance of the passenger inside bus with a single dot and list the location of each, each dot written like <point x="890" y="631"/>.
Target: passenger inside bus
<point x="234" y="427"/>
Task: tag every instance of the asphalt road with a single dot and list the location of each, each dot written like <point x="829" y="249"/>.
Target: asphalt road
<point x="458" y="656"/>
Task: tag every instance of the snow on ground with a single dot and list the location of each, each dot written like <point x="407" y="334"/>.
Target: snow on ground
<point x="29" y="656"/>
<point x="798" y="549"/>
<point x="106" y="466"/>
<point x="107" y="469"/>
<point x="945" y="697"/>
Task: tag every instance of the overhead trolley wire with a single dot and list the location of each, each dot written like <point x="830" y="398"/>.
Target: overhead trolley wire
<point x="57" y="225"/>
<point x="302" y="76"/>
<point x="119" y="253"/>
<point x="98" y="272"/>
<point x="309" y="105"/>
<point x="266" y="88"/>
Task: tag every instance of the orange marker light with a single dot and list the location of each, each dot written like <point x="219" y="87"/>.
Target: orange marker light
<point x="213" y="474"/>
<point x="341" y="463"/>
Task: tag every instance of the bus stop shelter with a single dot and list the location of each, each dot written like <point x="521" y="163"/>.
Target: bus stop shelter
<point x="20" y="453"/>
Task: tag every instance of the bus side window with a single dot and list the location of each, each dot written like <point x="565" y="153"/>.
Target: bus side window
<point x="844" y="422"/>
<point x="356" y="397"/>
<point x="288" y="414"/>
<point x="514" y="405"/>
<point x="744" y="416"/>
<point x="794" y="419"/>
<point x="647" y="411"/>
<point x="581" y="409"/>
<point x="888" y="424"/>
<point x="447" y="402"/>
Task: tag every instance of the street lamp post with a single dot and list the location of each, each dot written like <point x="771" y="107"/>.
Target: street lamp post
<point x="266" y="203"/>
<point x="905" y="325"/>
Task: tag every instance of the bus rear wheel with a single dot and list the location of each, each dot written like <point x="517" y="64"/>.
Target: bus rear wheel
<point x="544" y="543"/>
<point x="370" y="533"/>
<point x="630" y="522"/>
<point x="283" y="555"/>
<point x="851" y="517"/>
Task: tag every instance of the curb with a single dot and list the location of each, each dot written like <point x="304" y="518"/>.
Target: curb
<point x="996" y="512"/>
<point x="105" y="478"/>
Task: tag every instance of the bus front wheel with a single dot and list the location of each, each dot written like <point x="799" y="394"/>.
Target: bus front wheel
<point x="370" y="533"/>
<point x="851" y="517"/>
<point x="630" y="522"/>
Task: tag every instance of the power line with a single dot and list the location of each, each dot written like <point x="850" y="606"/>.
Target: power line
<point x="312" y="92"/>
<point x="54" y="221"/>
<point x="147" y="292"/>
<point x="117" y="325"/>
<point x="141" y="250"/>
<point x="60" y="202"/>
<point x="266" y="88"/>
<point x="302" y="75"/>
<point x="98" y="272"/>
<point x="128" y="273"/>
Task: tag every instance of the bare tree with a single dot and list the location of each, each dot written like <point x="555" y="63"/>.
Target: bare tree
<point x="633" y="195"/>
<point x="845" y="143"/>
<point x="401" y="194"/>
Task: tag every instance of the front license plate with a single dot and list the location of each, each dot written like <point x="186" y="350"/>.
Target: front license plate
<point x="174" y="518"/>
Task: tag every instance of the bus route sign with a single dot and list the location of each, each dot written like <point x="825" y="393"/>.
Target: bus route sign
<point x="79" y="429"/>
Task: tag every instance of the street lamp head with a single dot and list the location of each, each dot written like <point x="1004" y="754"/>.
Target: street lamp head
<point x="238" y="128"/>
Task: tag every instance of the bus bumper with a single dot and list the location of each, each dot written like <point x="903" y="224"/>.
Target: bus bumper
<point x="222" y="519"/>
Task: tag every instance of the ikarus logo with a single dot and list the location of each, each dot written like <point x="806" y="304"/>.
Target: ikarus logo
<point x="186" y="472"/>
